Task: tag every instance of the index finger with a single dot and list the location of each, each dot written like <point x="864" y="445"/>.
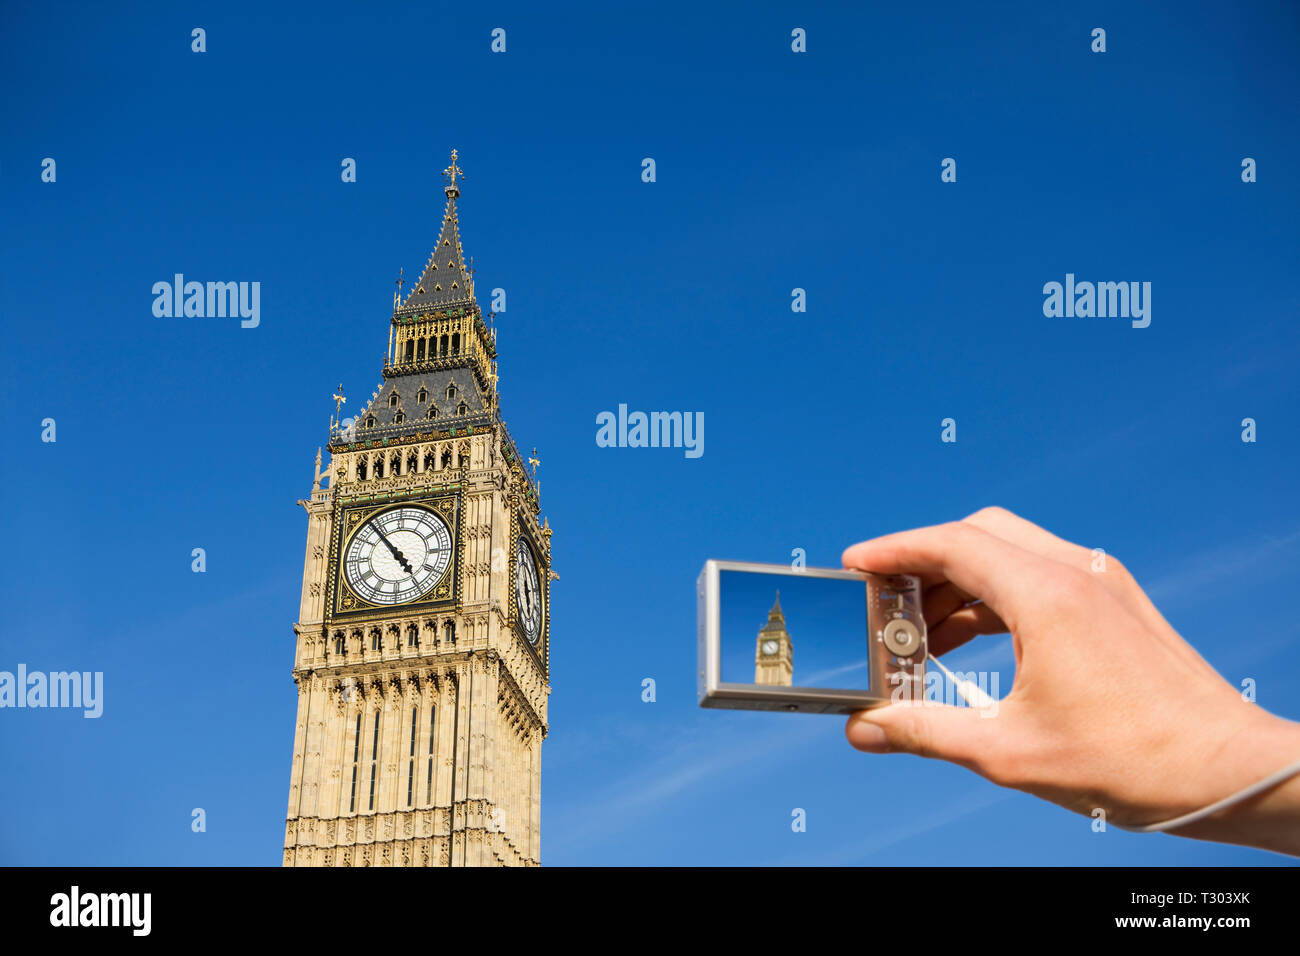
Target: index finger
<point x="979" y="563"/>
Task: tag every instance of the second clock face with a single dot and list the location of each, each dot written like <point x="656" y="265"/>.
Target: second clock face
<point x="528" y="591"/>
<point x="769" y="647"/>
<point x="397" y="555"/>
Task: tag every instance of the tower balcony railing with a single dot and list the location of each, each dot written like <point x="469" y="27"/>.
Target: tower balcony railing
<point x="513" y="450"/>
<point x="415" y="366"/>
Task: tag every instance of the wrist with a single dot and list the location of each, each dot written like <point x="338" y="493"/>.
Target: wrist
<point x="1271" y="819"/>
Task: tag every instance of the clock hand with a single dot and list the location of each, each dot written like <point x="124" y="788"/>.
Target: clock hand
<point x="401" y="558"/>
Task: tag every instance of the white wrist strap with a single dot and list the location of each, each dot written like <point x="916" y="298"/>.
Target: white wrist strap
<point x="1284" y="774"/>
<point x="975" y="697"/>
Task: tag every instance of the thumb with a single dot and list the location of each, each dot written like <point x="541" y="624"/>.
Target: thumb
<point x="958" y="734"/>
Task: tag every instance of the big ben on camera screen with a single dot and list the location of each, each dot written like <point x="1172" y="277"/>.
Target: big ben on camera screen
<point x="423" y="639"/>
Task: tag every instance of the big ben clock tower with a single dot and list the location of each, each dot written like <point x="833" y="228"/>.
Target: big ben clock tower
<point x="774" y="653"/>
<point x="423" y="639"/>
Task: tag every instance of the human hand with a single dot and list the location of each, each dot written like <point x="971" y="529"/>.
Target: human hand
<point x="1110" y="707"/>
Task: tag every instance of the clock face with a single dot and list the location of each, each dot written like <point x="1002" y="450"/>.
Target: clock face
<point x="528" y="591"/>
<point x="398" y="555"/>
<point x="769" y="647"/>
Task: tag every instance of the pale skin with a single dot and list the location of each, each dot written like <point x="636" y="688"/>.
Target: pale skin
<point x="1110" y="707"/>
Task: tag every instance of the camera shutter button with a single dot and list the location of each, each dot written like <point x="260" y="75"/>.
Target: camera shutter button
<point x="902" y="638"/>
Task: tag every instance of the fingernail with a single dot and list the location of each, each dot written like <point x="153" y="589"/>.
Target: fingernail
<point x="867" y="737"/>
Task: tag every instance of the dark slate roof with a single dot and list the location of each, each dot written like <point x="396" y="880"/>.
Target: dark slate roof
<point x="444" y="283"/>
<point x="417" y="418"/>
<point x="775" y="617"/>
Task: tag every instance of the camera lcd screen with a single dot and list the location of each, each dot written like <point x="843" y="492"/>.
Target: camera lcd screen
<point x="787" y="630"/>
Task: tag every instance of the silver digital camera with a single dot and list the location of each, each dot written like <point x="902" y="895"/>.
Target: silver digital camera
<point x="808" y="640"/>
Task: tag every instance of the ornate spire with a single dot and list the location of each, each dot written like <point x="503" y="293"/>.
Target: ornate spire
<point x="439" y="364"/>
<point x="445" y="282"/>
<point x="775" y="617"/>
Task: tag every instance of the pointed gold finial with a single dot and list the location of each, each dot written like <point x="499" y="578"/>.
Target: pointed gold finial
<point x="534" y="461"/>
<point x="451" y="172"/>
<point x="336" y="420"/>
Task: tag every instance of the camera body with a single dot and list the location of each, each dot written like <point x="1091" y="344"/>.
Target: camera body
<point x="890" y="628"/>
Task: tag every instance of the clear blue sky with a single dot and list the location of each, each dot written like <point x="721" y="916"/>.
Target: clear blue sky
<point x="774" y="171"/>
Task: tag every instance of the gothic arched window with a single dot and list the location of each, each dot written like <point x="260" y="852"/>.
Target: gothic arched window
<point x="412" y="636"/>
<point x="462" y="409"/>
<point x="392" y="400"/>
<point x="340" y="646"/>
<point x="428" y="782"/>
<point x="374" y="761"/>
<point x="356" y="752"/>
<point x="410" y="770"/>
<point x="399" y="418"/>
<point x="451" y="391"/>
<point x="376" y="639"/>
<point x="433" y="411"/>
<point x="449" y="632"/>
<point x="422" y="395"/>
<point x="370" y="422"/>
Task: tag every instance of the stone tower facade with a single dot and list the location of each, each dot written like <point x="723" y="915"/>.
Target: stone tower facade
<point x="423" y="639"/>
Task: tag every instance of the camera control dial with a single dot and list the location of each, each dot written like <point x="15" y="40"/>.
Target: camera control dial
<point x="901" y="637"/>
